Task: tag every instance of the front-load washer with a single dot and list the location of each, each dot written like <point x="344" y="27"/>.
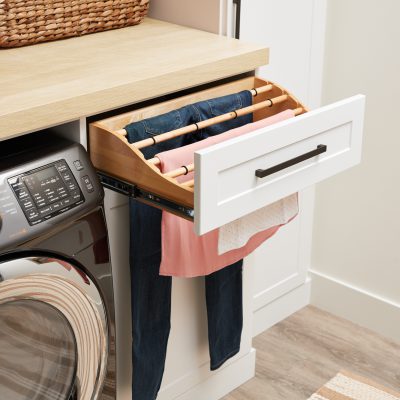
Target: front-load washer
<point x="57" y="328"/>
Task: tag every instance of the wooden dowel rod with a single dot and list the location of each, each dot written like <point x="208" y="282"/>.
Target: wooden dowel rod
<point x="188" y="183"/>
<point x="298" y="111"/>
<point x="208" y="122"/>
<point x="156" y="160"/>
<point x="254" y="92"/>
<point x="261" y="89"/>
<point x="180" y="171"/>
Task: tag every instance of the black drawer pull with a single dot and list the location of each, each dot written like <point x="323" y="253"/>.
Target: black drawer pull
<point x="262" y="173"/>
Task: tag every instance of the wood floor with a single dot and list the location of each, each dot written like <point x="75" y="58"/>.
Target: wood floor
<point x="303" y="352"/>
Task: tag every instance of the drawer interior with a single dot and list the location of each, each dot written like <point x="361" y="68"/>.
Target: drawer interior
<point x="114" y="157"/>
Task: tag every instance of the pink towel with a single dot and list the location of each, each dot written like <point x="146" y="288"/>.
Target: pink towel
<point x="185" y="254"/>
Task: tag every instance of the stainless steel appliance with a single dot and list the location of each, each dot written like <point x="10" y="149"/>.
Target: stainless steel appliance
<point x="57" y="329"/>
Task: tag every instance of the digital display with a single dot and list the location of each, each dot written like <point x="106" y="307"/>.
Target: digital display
<point x="46" y="173"/>
<point x="45" y="186"/>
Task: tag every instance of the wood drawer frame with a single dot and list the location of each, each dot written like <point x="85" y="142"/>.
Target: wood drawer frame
<point x="123" y="168"/>
<point x="113" y="157"/>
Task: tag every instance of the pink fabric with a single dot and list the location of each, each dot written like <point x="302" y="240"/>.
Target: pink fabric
<point x="185" y="254"/>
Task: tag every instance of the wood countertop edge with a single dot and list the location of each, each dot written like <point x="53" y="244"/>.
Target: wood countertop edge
<point x="51" y="114"/>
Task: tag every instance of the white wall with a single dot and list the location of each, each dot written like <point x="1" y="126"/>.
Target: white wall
<point x="204" y="14"/>
<point x="356" y="248"/>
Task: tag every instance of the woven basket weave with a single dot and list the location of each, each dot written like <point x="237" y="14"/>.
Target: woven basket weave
<point x="34" y="21"/>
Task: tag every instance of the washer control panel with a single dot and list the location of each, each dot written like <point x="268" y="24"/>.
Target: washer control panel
<point x="47" y="191"/>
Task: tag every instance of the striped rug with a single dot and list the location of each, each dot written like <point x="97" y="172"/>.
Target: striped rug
<point x="348" y="386"/>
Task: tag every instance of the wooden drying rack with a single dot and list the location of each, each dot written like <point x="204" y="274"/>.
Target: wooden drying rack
<point x="122" y="167"/>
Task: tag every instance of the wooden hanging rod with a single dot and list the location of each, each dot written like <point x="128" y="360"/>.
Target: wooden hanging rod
<point x="298" y="111"/>
<point x="156" y="160"/>
<point x="261" y="89"/>
<point x="184" y="170"/>
<point x="254" y="92"/>
<point x="208" y="122"/>
<point x="188" y="183"/>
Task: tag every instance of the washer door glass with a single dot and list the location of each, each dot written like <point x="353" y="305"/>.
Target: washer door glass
<point x="38" y="356"/>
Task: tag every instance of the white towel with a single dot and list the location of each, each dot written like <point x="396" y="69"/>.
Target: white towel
<point x="237" y="233"/>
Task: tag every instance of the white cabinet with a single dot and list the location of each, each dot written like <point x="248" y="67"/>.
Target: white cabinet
<point x="294" y="32"/>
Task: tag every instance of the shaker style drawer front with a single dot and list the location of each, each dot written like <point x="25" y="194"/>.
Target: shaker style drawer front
<point x="239" y="176"/>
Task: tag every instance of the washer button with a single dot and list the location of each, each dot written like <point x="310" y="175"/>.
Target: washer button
<point x="45" y="211"/>
<point x="75" y="196"/>
<point x="32" y="214"/>
<point x="22" y="194"/>
<point x="66" y="202"/>
<point x="67" y="176"/>
<point x="71" y="186"/>
<point x="62" y="166"/>
<point x="89" y="186"/>
<point x="18" y="185"/>
<point x="56" y="206"/>
<point x="78" y="165"/>
<point x="27" y="204"/>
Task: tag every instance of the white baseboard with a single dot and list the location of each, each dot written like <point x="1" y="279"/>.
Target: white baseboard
<point x="355" y="304"/>
<point x="213" y="384"/>
<point x="281" y="308"/>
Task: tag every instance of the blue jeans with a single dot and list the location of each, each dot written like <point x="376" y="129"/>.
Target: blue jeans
<point x="151" y="293"/>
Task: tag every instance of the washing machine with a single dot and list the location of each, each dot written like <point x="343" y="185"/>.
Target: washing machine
<point x="57" y="329"/>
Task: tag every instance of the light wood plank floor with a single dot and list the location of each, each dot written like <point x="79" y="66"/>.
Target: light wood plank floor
<point x="301" y="353"/>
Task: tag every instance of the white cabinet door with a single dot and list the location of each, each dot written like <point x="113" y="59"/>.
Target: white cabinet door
<point x="287" y="27"/>
<point x="294" y="32"/>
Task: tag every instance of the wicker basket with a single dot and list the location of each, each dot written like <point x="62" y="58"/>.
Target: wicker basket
<point x="33" y="21"/>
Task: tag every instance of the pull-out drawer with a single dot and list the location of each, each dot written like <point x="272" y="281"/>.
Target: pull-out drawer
<point x="241" y="175"/>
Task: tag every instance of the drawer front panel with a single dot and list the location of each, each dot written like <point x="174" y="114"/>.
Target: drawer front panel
<point x="226" y="185"/>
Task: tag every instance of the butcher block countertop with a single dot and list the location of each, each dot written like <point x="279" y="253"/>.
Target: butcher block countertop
<point x="52" y="83"/>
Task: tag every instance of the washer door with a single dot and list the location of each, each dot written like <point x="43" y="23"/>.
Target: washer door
<point x="53" y="331"/>
<point x="38" y="355"/>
